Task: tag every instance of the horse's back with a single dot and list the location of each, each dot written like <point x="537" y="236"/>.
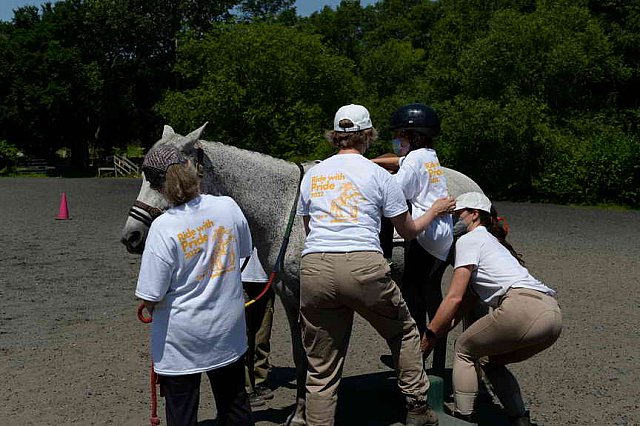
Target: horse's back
<point x="458" y="183"/>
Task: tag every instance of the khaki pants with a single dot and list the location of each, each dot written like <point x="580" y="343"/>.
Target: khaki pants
<point x="525" y="323"/>
<point x="259" y="318"/>
<point x="332" y="287"/>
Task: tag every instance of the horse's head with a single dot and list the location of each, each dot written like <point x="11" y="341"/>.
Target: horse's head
<point x="150" y="203"/>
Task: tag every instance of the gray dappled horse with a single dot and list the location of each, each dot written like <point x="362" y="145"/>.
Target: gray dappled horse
<point x="265" y="189"/>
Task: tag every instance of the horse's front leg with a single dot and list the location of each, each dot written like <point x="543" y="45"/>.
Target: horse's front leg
<point x="290" y="296"/>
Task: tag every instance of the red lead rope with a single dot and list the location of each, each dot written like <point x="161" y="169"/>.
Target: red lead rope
<point x="154" y="420"/>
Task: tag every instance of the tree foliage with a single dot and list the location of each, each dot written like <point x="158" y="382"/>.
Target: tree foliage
<point x="539" y="99"/>
<point x="261" y="86"/>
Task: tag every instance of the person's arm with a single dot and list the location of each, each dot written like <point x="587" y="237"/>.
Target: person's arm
<point x="448" y="308"/>
<point x="306" y="220"/>
<point x="468" y="302"/>
<point x="409" y="228"/>
<point x="389" y="162"/>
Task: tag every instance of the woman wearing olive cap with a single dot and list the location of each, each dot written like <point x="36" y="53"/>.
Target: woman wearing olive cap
<point x="190" y="282"/>
<point x="524" y="321"/>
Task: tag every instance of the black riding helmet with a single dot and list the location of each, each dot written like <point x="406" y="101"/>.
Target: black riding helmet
<point x="418" y="117"/>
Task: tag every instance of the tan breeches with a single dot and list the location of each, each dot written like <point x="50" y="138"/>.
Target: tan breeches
<point x="332" y="287"/>
<point x="525" y="323"/>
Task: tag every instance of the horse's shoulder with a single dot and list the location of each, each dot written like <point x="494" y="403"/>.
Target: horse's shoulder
<point x="309" y="164"/>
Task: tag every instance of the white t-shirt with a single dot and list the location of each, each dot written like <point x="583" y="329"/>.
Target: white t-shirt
<point x="423" y="182"/>
<point x="253" y="272"/>
<point x="495" y="269"/>
<point x="344" y="196"/>
<point x="191" y="266"/>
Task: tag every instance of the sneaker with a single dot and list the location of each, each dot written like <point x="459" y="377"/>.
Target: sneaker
<point x="264" y="392"/>
<point x="421" y="414"/>
<point x="256" y="400"/>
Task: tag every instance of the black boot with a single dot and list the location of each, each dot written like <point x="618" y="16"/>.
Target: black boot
<point x="524" y="420"/>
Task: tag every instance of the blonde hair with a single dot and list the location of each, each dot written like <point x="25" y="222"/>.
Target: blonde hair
<point x="344" y="140"/>
<point x="182" y="183"/>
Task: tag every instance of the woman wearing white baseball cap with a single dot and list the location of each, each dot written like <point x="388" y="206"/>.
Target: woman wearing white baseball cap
<point x="524" y="321"/>
<point x="343" y="271"/>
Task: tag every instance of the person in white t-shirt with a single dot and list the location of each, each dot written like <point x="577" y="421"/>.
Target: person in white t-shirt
<point x="190" y="283"/>
<point x="415" y="126"/>
<point x="343" y="271"/>
<point x="525" y="319"/>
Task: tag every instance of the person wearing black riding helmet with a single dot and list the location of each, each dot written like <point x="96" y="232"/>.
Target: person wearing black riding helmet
<point x="414" y="127"/>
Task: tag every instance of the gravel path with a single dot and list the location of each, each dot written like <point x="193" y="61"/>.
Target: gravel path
<point x="73" y="353"/>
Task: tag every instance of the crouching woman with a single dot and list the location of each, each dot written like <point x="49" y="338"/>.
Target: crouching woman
<point x="190" y="282"/>
<point x="525" y="319"/>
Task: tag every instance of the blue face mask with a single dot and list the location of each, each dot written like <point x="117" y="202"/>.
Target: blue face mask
<point x="396" y="146"/>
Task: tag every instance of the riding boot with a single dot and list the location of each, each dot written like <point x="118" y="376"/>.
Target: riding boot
<point x="524" y="420"/>
<point x="420" y="413"/>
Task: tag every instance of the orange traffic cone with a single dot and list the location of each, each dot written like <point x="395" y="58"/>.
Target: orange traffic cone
<point x="64" y="209"/>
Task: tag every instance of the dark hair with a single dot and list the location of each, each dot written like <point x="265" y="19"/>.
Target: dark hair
<point x="419" y="137"/>
<point x="498" y="227"/>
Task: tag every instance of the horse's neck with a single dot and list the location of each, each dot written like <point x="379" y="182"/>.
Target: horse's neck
<point x="264" y="187"/>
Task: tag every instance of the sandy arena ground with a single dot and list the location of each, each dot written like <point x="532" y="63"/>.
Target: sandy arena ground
<point x="73" y="353"/>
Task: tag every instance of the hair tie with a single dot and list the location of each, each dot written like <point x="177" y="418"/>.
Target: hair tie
<point x="502" y="221"/>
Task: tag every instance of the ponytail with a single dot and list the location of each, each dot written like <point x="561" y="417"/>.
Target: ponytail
<point x="499" y="228"/>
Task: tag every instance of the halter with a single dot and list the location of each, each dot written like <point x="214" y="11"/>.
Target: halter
<point x="145" y="213"/>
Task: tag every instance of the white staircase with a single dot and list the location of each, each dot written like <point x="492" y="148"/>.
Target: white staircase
<point x="122" y="166"/>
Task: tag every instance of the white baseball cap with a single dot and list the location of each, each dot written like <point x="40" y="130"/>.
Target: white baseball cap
<point x="357" y="114"/>
<point x="473" y="200"/>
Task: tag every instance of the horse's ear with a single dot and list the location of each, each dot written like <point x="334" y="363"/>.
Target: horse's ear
<point x="167" y="131"/>
<point x="191" y="138"/>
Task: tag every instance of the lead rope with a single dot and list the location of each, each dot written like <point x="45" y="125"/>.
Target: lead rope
<point x="154" y="420"/>
<point x="279" y="264"/>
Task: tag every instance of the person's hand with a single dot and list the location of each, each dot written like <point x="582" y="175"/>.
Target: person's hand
<point x="444" y="205"/>
<point x="426" y="345"/>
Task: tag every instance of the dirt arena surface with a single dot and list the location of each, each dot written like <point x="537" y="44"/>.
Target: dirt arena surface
<point x="73" y="353"/>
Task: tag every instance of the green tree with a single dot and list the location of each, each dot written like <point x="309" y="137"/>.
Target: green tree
<point x="558" y="54"/>
<point x="264" y="10"/>
<point x="48" y="95"/>
<point x="264" y="87"/>
<point x="344" y="28"/>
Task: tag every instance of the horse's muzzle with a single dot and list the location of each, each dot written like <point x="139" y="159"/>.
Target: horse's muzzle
<point x="133" y="242"/>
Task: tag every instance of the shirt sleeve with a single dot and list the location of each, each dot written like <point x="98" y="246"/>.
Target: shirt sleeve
<point x="467" y="251"/>
<point x="303" y="202"/>
<point x="393" y="203"/>
<point x="408" y="179"/>
<point x="245" y="243"/>
<point x="154" y="278"/>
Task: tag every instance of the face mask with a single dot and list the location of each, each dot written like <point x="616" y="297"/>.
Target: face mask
<point x="396" y="145"/>
<point x="459" y="228"/>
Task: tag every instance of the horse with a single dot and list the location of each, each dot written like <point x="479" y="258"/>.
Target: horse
<point x="266" y="189"/>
